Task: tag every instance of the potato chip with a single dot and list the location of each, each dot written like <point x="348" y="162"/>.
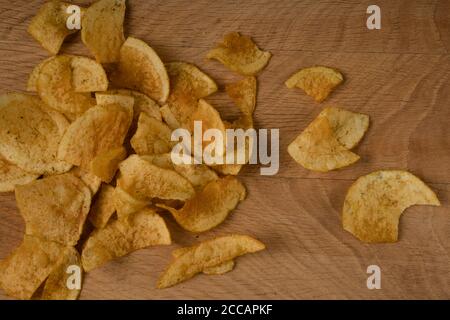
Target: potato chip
<point x="54" y="208"/>
<point x="100" y="129"/>
<point x="30" y="134"/>
<point x="152" y="136"/>
<point x="375" y="202"/>
<point x="105" y="164"/>
<point x="124" y="100"/>
<point x="49" y="28"/>
<point x="141" y="69"/>
<point x="103" y="207"/>
<point x="102" y="29"/>
<point x="317" y="82"/>
<point x="92" y="181"/>
<point x="118" y="238"/>
<point x="144" y="180"/>
<point x="240" y="54"/>
<point x="125" y="204"/>
<point x="56" y="286"/>
<point x="211" y="206"/>
<point x="87" y="75"/>
<point x="243" y="94"/>
<point x="27" y="267"/>
<point x="11" y="176"/>
<point x="222" y="268"/>
<point x="169" y="117"/>
<point x="34" y="75"/>
<point x="207" y="254"/>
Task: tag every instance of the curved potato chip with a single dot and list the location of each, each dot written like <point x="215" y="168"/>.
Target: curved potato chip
<point x="222" y="268"/>
<point x="48" y="26"/>
<point x="143" y="181"/>
<point x="54" y="208"/>
<point x="317" y="82"/>
<point x="142" y="104"/>
<point x="92" y="181"/>
<point x="207" y="254"/>
<point x="103" y="207"/>
<point x="169" y="117"/>
<point x="34" y="75"/>
<point x="375" y="202"/>
<point x="102" y="29"/>
<point x="125" y="204"/>
<point x="141" y="69"/>
<point x="98" y="130"/>
<point x="240" y="54"/>
<point x="56" y="285"/>
<point x="27" y="267"/>
<point x="152" y="136"/>
<point x="211" y="206"/>
<point x="118" y="238"/>
<point x="87" y="75"/>
<point x="105" y="164"/>
<point x="30" y="134"/>
<point x="243" y="94"/>
<point x="11" y="176"/>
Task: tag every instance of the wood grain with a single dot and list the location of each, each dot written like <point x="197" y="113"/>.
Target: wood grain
<point x="399" y="75"/>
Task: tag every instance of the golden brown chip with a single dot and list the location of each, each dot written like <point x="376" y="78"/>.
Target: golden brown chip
<point x="118" y="238"/>
<point x="49" y="28"/>
<point x="126" y="101"/>
<point x="210" y="207"/>
<point x="222" y="268"/>
<point x="59" y="283"/>
<point x="243" y="93"/>
<point x="141" y="69"/>
<point x="100" y="129"/>
<point x="207" y="254"/>
<point x="87" y="75"/>
<point x="152" y="136"/>
<point x="30" y="134"/>
<point x="92" y="181"/>
<point x="375" y="202"/>
<point x="144" y="180"/>
<point x="34" y="75"/>
<point x="102" y="29"/>
<point x="317" y="82"/>
<point x="169" y="117"/>
<point x="105" y="164"/>
<point x="11" y="176"/>
<point x="27" y="267"/>
<point x="240" y="54"/>
<point x="125" y="204"/>
<point x="103" y="207"/>
<point x="54" y="208"/>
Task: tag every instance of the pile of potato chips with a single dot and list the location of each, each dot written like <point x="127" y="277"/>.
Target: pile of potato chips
<point x="88" y="154"/>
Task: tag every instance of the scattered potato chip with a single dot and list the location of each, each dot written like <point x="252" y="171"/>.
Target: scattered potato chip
<point x="11" y="176"/>
<point x="125" y="204"/>
<point x="126" y="101"/>
<point x="152" y="136"/>
<point x="211" y="206"/>
<point x="169" y="117"/>
<point x="317" y="82"/>
<point x="240" y="54"/>
<point x="102" y="29"/>
<point x="243" y="93"/>
<point x="103" y="207"/>
<point x="141" y="69"/>
<point x="143" y="181"/>
<point x="222" y="268"/>
<point x="92" y="181"/>
<point x="54" y="208"/>
<point x="120" y="237"/>
<point x="30" y="134"/>
<point x="49" y="28"/>
<point x="87" y="75"/>
<point x="34" y="75"/>
<point x="375" y="202"/>
<point x="100" y="129"/>
<point x="207" y="254"/>
<point x="105" y="164"/>
<point x="56" y="286"/>
<point x="27" y="267"/>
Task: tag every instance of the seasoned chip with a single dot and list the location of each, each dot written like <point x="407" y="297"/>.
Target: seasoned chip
<point x="211" y="206"/>
<point x="59" y="285"/>
<point x="30" y="134"/>
<point x="152" y="136"/>
<point x="54" y="208"/>
<point x="103" y="207"/>
<point x="317" y="82"/>
<point x="375" y="202"/>
<point x="144" y="180"/>
<point x="102" y="29"/>
<point x="207" y="254"/>
<point x="100" y="129"/>
<point x="222" y="268"/>
<point x="169" y="117"/>
<point x="125" y="204"/>
<point x="243" y="93"/>
<point x="124" y="100"/>
<point x="240" y="54"/>
<point x="105" y="164"/>
<point x="27" y="267"/>
<point x="141" y="69"/>
<point x="92" y="181"/>
<point x="34" y="75"/>
<point x="87" y="75"/>
<point x="49" y="28"/>
<point x="11" y="176"/>
<point x="118" y="238"/>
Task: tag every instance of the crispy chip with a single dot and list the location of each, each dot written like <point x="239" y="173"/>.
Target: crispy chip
<point x="49" y="28"/>
<point x="125" y="204"/>
<point x="87" y="75"/>
<point x="240" y="54"/>
<point x="54" y="208"/>
<point x="102" y="29"/>
<point x="103" y="208"/>
<point x="34" y="75"/>
<point x="27" y="267"/>
<point x="243" y="93"/>
<point x="105" y="164"/>
<point x="56" y="286"/>
<point x="144" y="180"/>
<point x="317" y="82"/>
<point x="141" y="69"/>
<point x="30" y="134"/>
<point x="222" y="268"/>
<point x="210" y="207"/>
<point x="100" y="129"/>
<point x="207" y="254"/>
<point x="375" y="202"/>
<point x="11" y="176"/>
<point x="169" y="117"/>
<point x="142" y="229"/>
<point x="92" y="181"/>
<point x="152" y="136"/>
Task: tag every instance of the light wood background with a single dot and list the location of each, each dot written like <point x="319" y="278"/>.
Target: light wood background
<point x="399" y="75"/>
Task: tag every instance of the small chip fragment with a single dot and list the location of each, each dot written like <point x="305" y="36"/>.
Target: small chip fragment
<point x="103" y="207"/>
<point x="243" y="94"/>
<point x="152" y="136"/>
<point x="105" y="164"/>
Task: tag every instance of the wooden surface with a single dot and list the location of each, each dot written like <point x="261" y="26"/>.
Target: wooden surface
<point x="399" y="75"/>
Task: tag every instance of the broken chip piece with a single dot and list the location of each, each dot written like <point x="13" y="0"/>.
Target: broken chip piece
<point x="105" y="164"/>
<point x="11" y="176"/>
<point x="152" y="136"/>
<point x="243" y="94"/>
<point x="222" y="268"/>
<point x="125" y="204"/>
<point x="103" y="207"/>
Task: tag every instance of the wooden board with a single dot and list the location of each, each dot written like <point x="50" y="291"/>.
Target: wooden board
<point x="399" y="75"/>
